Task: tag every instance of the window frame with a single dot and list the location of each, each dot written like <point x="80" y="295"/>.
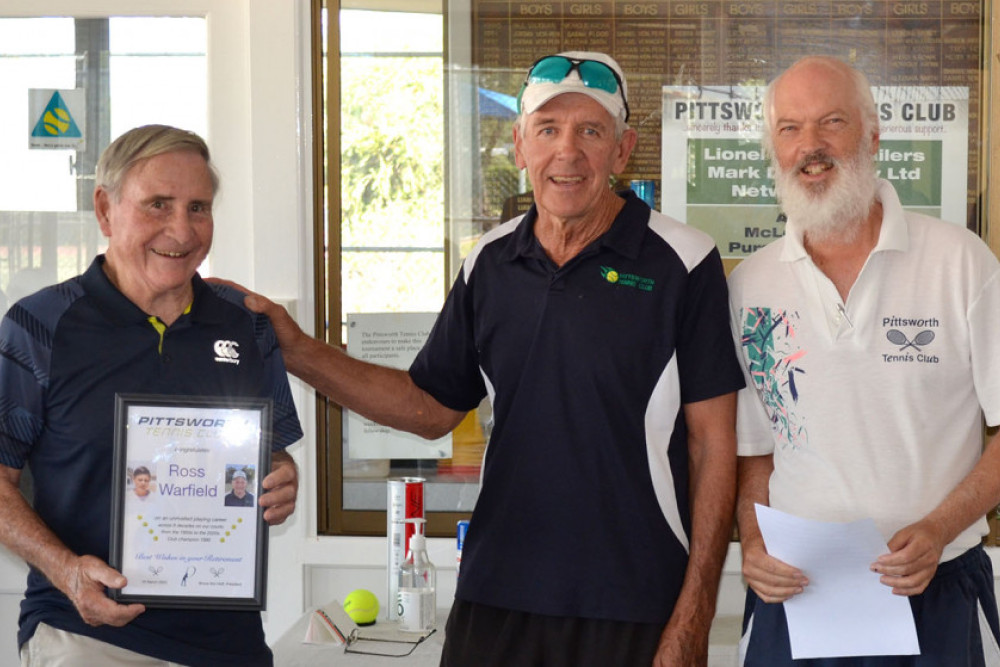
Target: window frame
<point x="332" y="517"/>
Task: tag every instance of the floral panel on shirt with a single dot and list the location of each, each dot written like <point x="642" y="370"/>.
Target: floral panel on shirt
<point x="771" y="351"/>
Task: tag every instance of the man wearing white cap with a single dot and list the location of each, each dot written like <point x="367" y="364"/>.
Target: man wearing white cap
<point x="599" y="330"/>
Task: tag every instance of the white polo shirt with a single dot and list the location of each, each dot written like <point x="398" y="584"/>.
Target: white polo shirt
<point x="871" y="407"/>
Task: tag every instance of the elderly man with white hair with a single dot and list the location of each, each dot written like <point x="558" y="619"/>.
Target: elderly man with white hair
<point x="140" y="320"/>
<point x="869" y="339"/>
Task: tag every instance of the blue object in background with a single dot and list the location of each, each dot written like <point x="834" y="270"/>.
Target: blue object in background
<point x="463" y="528"/>
<point x="497" y="105"/>
<point x="646" y="191"/>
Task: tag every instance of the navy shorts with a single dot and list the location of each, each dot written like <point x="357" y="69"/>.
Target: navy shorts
<point x="956" y="619"/>
<point x="483" y="636"/>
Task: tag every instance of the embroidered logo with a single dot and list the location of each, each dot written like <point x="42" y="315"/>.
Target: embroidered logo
<point x="897" y="337"/>
<point x="225" y="352"/>
<point x="627" y="279"/>
<point x="911" y="336"/>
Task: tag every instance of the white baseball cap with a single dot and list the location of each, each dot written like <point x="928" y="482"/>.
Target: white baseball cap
<point x="539" y="89"/>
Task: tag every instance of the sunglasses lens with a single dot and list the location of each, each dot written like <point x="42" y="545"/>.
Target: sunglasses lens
<point x="550" y="70"/>
<point x="594" y="74"/>
<point x="598" y="75"/>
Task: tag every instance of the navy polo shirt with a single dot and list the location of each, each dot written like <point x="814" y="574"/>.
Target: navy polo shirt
<point x="232" y="500"/>
<point x="64" y="353"/>
<point x="583" y="509"/>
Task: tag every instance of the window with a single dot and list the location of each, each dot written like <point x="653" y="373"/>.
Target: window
<point x="391" y="167"/>
<point x="387" y="243"/>
<point x="47" y="230"/>
<point x="703" y="48"/>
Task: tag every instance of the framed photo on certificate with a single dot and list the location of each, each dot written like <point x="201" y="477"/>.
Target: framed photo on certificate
<point x="186" y="528"/>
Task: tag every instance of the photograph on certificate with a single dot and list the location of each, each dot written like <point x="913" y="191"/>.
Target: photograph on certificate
<point x="186" y="529"/>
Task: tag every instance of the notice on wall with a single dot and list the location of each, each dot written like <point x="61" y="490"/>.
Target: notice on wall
<point x="717" y="178"/>
<point x="389" y="339"/>
<point x="57" y="118"/>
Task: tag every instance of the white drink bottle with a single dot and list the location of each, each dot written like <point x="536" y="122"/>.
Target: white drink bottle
<point x="417" y="603"/>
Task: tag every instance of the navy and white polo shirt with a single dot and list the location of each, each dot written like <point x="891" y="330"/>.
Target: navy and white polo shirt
<point x="64" y="354"/>
<point x="583" y="509"/>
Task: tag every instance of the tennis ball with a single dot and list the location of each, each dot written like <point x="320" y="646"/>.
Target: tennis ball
<point x="361" y="606"/>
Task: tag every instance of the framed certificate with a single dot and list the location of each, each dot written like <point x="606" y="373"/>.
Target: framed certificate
<point x="186" y="528"/>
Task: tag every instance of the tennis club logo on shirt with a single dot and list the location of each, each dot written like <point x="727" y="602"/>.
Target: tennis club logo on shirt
<point x="225" y="352"/>
<point x="911" y="337"/>
<point x="627" y="279"/>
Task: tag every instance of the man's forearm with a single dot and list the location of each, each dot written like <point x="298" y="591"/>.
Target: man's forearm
<point x="713" y="501"/>
<point x="753" y="479"/>
<point x="385" y="395"/>
<point x="975" y="496"/>
<point x="712" y="450"/>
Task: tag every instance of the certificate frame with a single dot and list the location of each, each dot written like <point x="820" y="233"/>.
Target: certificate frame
<point x="190" y="541"/>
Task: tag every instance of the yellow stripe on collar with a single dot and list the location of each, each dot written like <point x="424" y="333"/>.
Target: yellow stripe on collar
<point x="161" y="328"/>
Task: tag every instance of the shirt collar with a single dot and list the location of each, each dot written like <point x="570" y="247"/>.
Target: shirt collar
<point x="117" y="307"/>
<point x="893" y="235"/>
<point x="624" y="236"/>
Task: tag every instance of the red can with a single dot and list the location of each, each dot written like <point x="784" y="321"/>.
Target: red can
<point x="405" y="500"/>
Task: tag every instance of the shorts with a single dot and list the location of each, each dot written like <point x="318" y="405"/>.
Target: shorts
<point x="487" y="636"/>
<point x="956" y="619"/>
<point x="52" y="647"/>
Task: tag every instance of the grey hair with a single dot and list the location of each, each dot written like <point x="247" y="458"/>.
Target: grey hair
<point x="142" y="143"/>
<point x="862" y="97"/>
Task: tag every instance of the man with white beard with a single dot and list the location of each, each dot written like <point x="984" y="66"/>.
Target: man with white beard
<point x="869" y="340"/>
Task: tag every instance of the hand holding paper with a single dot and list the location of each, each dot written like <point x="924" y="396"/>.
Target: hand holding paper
<point x="916" y="552"/>
<point x="845" y="610"/>
<point x="773" y="580"/>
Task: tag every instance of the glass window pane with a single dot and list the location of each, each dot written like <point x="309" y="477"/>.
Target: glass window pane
<point x="393" y="235"/>
<point x="392" y="186"/>
<point x="34" y="53"/>
<point x="389" y="32"/>
<point x="391" y="282"/>
<point x="156" y="72"/>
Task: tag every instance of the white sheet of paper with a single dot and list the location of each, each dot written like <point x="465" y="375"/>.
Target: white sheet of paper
<point x="845" y="610"/>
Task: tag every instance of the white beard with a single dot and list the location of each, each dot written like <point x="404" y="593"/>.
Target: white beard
<point x="834" y="211"/>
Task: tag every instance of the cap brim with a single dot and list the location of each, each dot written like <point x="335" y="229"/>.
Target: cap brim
<point x="537" y="94"/>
